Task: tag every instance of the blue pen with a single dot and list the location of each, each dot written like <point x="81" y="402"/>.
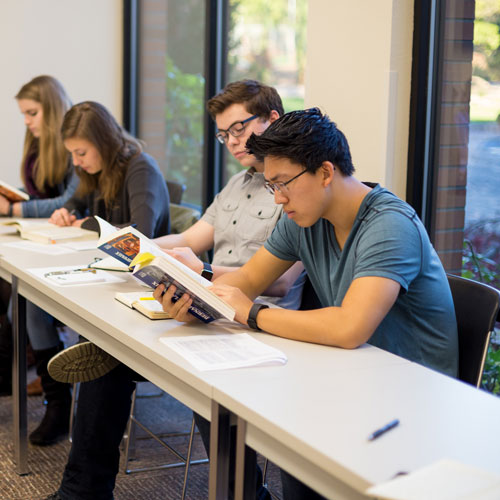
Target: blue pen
<point x="383" y="430"/>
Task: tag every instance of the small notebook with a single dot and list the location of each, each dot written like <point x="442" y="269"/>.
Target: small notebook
<point x="144" y="302"/>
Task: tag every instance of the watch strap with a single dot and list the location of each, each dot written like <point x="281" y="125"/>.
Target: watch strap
<point x="252" y="315"/>
<point x="207" y="271"/>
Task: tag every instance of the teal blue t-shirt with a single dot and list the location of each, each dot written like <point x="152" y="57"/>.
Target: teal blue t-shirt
<point x="387" y="240"/>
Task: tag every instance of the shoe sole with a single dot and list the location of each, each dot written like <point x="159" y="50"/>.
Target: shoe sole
<point x="81" y="363"/>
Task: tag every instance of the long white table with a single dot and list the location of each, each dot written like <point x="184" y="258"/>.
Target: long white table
<point x="315" y="425"/>
<point x="311" y="416"/>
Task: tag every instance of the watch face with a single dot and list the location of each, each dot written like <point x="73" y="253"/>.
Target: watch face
<point x="207" y="272"/>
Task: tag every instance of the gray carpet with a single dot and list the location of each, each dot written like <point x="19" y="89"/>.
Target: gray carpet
<point x="161" y="414"/>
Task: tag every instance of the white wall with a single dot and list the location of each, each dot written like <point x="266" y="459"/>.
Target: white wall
<point x="78" y="42"/>
<point x="358" y="70"/>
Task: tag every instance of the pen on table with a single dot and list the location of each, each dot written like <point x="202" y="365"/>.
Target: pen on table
<point x="383" y="430"/>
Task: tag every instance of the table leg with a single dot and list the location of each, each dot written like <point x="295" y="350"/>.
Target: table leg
<point x="19" y="396"/>
<point x="246" y="463"/>
<point x="220" y="433"/>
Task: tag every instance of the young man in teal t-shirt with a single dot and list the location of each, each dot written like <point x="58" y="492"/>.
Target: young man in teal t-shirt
<point x="367" y="254"/>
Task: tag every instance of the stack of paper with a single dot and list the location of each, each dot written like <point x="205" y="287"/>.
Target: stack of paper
<point x="222" y="352"/>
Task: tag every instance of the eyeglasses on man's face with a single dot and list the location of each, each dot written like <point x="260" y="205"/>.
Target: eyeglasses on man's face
<point x="236" y="129"/>
<point x="281" y="187"/>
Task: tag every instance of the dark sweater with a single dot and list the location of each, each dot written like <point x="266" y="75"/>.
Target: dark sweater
<point x="142" y="200"/>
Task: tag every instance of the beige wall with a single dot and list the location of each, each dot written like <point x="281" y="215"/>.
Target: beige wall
<point x="78" y="42"/>
<point x="358" y="71"/>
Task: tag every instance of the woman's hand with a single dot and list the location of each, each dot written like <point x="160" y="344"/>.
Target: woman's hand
<point x="61" y="217"/>
<point x="178" y="310"/>
<point x="187" y="257"/>
<point x="236" y="299"/>
<point x="78" y="222"/>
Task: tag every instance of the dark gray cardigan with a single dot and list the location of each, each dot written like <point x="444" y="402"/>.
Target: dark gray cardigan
<point x="142" y="200"/>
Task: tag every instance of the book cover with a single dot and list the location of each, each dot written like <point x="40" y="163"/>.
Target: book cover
<point x="166" y="270"/>
<point x="12" y="194"/>
<point x="123" y="248"/>
<point x="125" y="244"/>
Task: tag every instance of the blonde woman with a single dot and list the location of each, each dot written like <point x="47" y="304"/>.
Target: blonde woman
<point x="46" y="170"/>
<point x="48" y="177"/>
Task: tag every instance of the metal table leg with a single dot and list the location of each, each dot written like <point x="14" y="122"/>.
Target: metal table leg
<point x="19" y="396"/>
<point x="220" y="433"/>
<point x="246" y="462"/>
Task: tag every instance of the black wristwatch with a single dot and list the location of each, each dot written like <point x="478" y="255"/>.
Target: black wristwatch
<point x="252" y="315"/>
<point x="207" y="271"/>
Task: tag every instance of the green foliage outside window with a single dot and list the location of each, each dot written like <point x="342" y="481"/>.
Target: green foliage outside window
<point x="184" y="128"/>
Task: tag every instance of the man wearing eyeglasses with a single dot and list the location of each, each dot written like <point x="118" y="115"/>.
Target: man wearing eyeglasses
<point x="235" y="225"/>
<point x="366" y="252"/>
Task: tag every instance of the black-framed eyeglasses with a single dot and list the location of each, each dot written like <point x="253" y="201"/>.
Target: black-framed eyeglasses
<point x="236" y="129"/>
<point x="272" y="187"/>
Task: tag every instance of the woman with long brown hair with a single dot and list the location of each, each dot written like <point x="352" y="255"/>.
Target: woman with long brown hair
<point x="121" y="184"/>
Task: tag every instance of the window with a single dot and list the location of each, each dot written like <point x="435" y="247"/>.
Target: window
<point x="267" y="42"/>
<point x="171" y="88"/>
<point x="454" y="153"/>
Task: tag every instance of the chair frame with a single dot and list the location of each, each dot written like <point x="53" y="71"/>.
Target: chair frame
<point x="479" y="295"/>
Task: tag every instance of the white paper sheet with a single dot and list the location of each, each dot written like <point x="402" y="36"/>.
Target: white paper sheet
<point x="32" y="246"/>
<point x="226" y="351"/>
<point x="442" y="480"/>
<point x="74" y="279"/>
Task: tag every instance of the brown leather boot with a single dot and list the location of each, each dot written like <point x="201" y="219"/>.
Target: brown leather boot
<point x="35" y="388"/>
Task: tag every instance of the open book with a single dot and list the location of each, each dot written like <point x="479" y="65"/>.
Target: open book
<point x="45" y="232"/>
<point x="12" y="194"/>
<point x="144" y="302"/>
<point x="154" y="267"/>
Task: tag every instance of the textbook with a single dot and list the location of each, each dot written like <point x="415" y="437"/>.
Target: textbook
<point x="125" y="244"/>
<point x="144" y="302"/>
<point x="45" y="232"/>
<point x="164" y="269"/>
<point x="154" y="267"/>
<point x="12" y="194"/>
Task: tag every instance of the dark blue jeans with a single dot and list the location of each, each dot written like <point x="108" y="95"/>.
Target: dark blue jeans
<point x="102" y="415"/>
<point x="293" y="489"/>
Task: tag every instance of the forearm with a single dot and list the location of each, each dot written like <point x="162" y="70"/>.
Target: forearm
<point x="171" y="241"/>
<point x="329" y="326"/>
<point x="238" y="278"/>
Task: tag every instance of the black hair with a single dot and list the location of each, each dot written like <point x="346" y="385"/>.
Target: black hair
<point x="305" y="137"/>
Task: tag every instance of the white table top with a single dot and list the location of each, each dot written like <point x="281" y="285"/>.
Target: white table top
<point x="311" y="416"/>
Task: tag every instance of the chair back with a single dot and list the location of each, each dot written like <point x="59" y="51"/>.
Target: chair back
<point x="175" y="191"/>
<point x="182" y="217"/>
<point x="476" y="310"/>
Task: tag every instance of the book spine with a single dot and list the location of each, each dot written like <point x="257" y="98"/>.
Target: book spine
<point x="154" y="276"/>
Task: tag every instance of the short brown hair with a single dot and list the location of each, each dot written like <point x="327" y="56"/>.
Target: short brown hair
<point x="259" y="99"/>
